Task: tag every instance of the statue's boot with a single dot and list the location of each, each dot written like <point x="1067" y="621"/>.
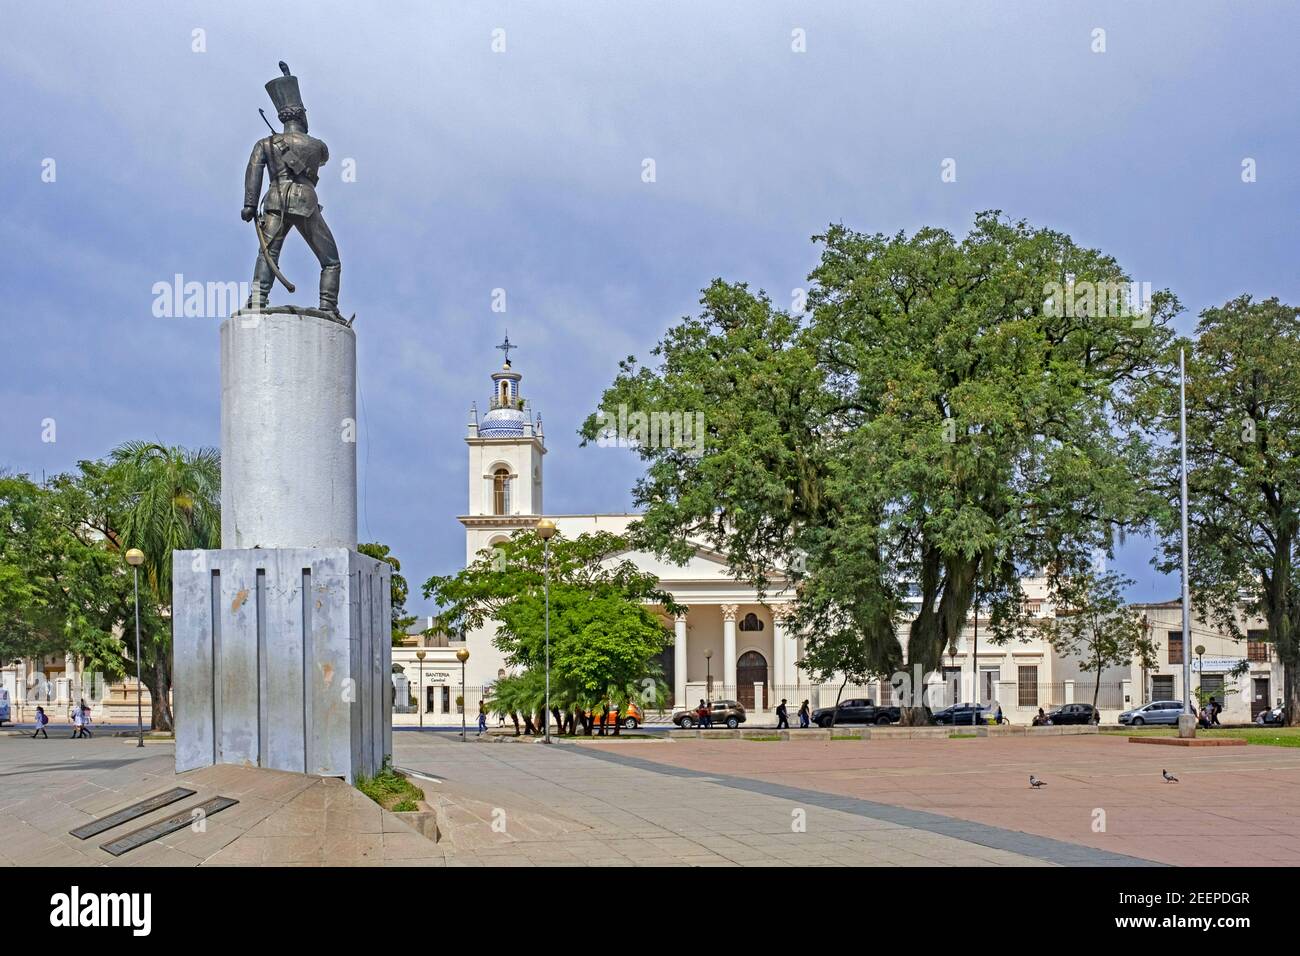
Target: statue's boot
<point x="329" y="289"/>
<point x="260" y="289"/>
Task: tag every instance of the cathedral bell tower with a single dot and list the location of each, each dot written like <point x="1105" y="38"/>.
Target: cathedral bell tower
<point x="505" y="463"/>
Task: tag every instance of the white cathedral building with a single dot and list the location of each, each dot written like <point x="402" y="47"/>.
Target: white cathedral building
<point x="727" y="640"/>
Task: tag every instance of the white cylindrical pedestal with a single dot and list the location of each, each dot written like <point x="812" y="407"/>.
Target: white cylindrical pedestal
<point x="288" y="432"/>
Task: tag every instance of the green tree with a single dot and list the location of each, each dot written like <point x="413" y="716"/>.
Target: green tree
<point x="604" y="635"/>
<point x="399" y="590"/>
<point x="1093" y="624"/>
<point x="939" y="418"/>
<point x="63" y="585"/>
<point x="1243" y="482"/>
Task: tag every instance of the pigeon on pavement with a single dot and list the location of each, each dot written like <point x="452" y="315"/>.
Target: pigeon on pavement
<point x="1035" y="782"/>
<point x="1169" y="777"/>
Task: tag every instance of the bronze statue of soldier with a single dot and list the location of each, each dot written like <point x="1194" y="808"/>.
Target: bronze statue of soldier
<point x="292" y="159"/>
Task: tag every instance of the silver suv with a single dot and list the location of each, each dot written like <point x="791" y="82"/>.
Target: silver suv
<point x="1156" y="712"/>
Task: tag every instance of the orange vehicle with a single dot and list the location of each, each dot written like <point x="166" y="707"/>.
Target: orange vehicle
<point x="630" y="712"/>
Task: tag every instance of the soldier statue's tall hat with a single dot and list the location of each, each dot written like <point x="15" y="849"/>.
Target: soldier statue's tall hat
<point x="283" y="90"/>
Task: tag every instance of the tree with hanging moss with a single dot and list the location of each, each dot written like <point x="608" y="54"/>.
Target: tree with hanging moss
<point x="947" y="414"/>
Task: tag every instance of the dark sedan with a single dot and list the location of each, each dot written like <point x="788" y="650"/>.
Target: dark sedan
<point x="856" y="711"/>
<point x="971" y="714"/>
<point x="1074" y="714"/>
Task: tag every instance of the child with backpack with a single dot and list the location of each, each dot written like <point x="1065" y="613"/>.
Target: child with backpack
<point x="41" y="721"/>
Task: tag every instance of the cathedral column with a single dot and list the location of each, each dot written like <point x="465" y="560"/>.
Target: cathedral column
<point x="784" y="646"/>
<point x="778" y="652"/>
<point x="679" y="661"/>
<point x="729" y="648"/>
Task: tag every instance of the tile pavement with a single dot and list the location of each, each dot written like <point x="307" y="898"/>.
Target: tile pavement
<point x="1233" y="807"/>
<point x="683" y="803"/>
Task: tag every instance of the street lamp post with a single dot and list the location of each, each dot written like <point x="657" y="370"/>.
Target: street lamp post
<point x="135" y="557"/>
<point x="708" y="675"/>
<point x="1186" y="723"/>
<point x="419" y="695"/>
<point x="952" y="666"/>
<point x="462" y="655"/>
<point x="1200" y="672"/>
<point x="546" y="531"/>
<point x="975" y="652"/>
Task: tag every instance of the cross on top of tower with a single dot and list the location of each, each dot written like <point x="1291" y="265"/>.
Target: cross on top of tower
<point x="506" y="347"/>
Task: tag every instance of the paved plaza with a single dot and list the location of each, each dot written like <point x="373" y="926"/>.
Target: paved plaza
<point x="1232" y="806"/>
<point x="939" y="802"/>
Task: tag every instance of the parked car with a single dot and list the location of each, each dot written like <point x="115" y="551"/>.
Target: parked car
<point x="631" y="715"/>
<point x="723" y="713"/>
<point x="859" y="710"/>
<point x="1156" y="712"/>
<point x="964" y="714"/>
<point x="1074" y="714"/>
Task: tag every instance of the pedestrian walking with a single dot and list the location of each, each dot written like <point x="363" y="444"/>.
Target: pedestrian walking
<point x="782" y="716"/>
<point x="482" y="718"/>
<point x="85" y="720"/>
<point x="41" y="721"/>
<point x="702" y="714"/>
<point x="77" y="718"/>
<point x="805" y="717"/>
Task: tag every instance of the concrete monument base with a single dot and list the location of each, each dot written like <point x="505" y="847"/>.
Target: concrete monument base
<point x="283" y="659"/>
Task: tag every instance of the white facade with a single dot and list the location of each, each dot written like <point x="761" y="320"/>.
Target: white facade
<point x="728" y="639"/>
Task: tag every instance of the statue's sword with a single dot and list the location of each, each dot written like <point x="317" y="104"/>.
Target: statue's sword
<point x="257" y="227"/>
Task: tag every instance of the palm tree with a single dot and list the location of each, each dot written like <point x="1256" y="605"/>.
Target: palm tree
<point x="171" y="500"/>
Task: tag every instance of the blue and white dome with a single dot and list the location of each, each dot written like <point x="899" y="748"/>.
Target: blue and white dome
<point x="506" y="417"/>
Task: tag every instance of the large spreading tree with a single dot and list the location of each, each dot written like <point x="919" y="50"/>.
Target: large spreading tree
<point x="948" y="416"/>
<point x="1243" y="484"/>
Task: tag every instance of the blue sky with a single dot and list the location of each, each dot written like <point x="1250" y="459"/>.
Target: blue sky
<point x="521" y="170"/>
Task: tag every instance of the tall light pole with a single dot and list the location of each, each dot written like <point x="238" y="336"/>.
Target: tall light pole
<point x="1186" y="722"/>
<point x="975" y="651"/>
<point x="546" y="531"/>
<point x="1200" y="672"/>
<point x="462" y="655"/>
<point x="708" y="676"/>
<point x="419" y="696"/>
<point x="135" y="558"/>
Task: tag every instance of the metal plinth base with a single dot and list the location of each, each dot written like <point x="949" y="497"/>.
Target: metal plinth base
<point x="283" y="659"/>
